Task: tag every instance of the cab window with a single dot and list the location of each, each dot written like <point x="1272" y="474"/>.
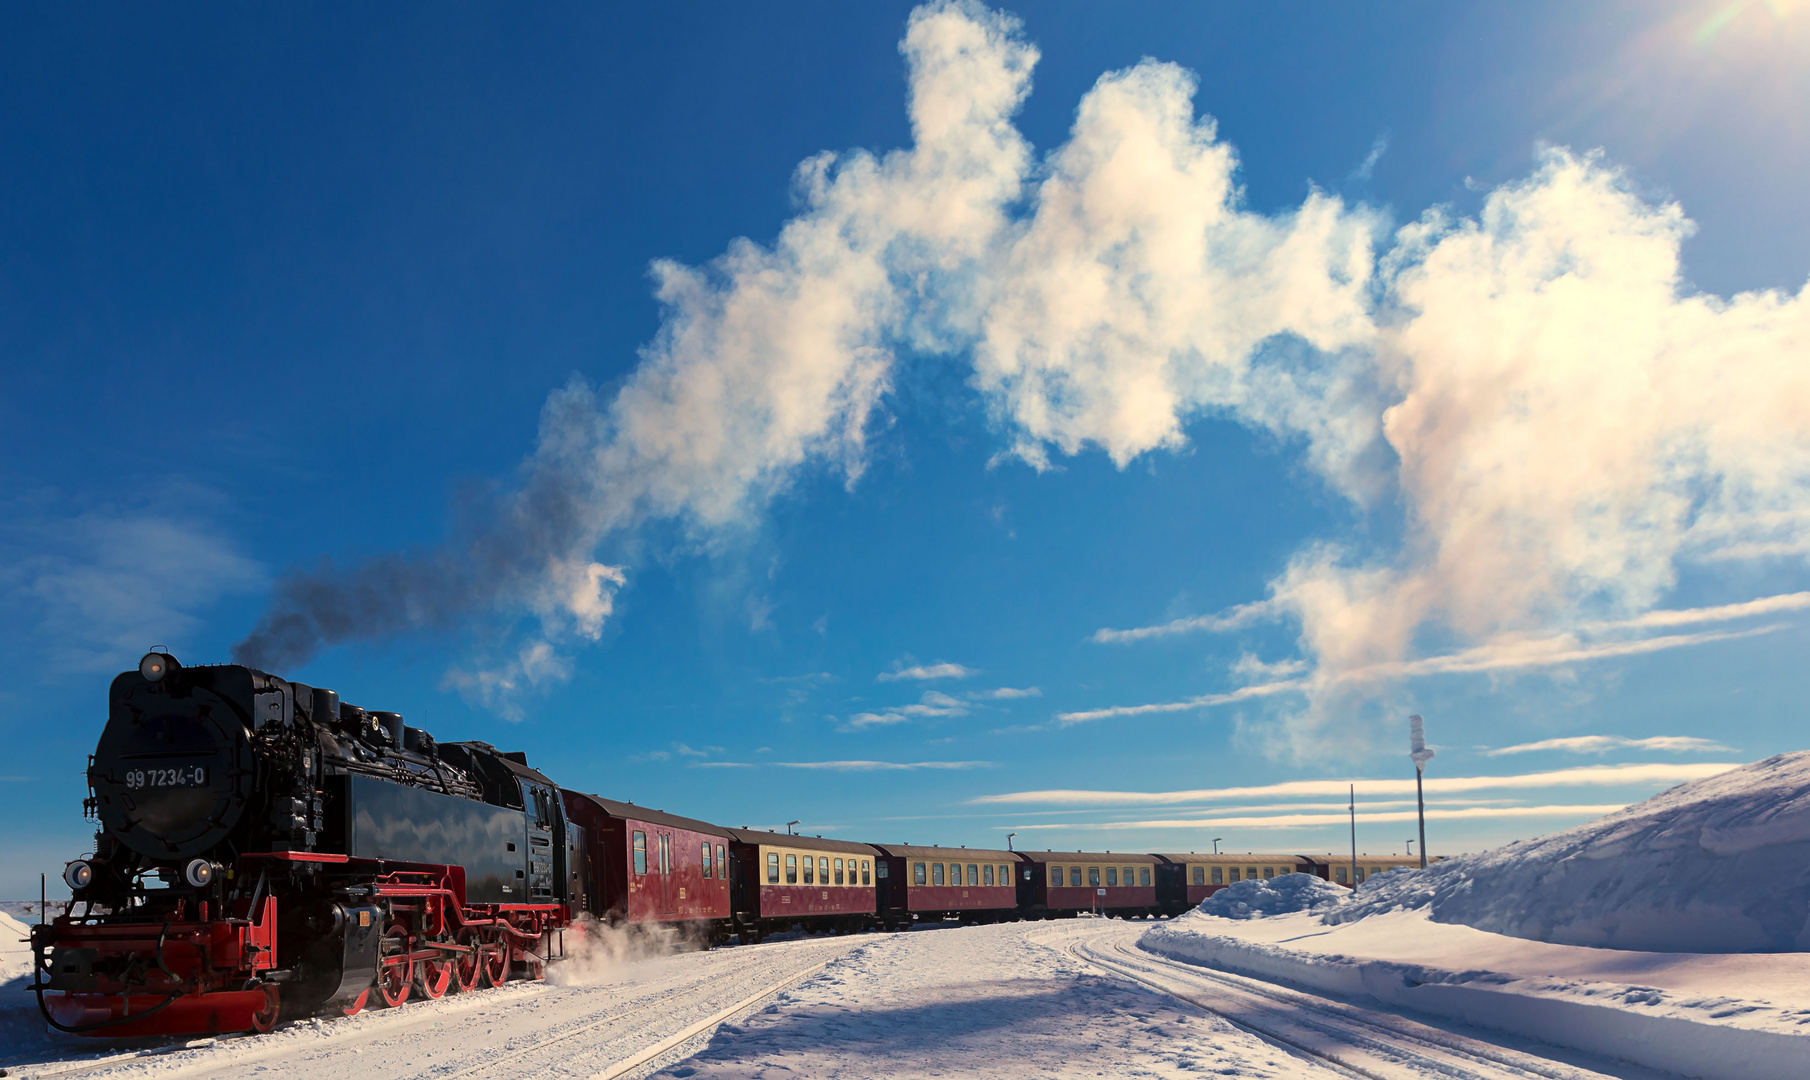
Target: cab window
<point x="1112" y="875"/>
<point x="986" y="875"/>
<point x="838" y="871"/>
<point x="1093" y="877"/>
<point x="640" y="853"/>
<point x="792" y="869"/>
<point x="936" y="873"/>
<point x="917" y="873"/>
<point x="773" y="868"/>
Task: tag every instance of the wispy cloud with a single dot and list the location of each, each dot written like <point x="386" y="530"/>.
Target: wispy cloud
<point x="926" y="672"/>
<point x="1236" y="619"/>
<point x="1583" y="776"/>
<point x="933" y="704"/>
<point x="1299" y="821"/>
<point x="1003" y="693"/>
<point x="847" y="766"/>
<point x="1598" y="744"/>
<point x="1203" y="701"/>
<point x="1766" y="605"/>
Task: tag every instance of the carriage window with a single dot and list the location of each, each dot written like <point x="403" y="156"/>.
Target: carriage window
<point x="709" y="867"/>
<point x="1360" y="873"/>
<point x="1074" y="876"/>
<point x="838" y="871"/>
<point x="640" y="853"/>
<point x="973" y="874"/>
<point x="810" y="867"/>
<point x="1200" y="875"/>
<point x="936" y="873"/>
<point x="1056" y="875"/>
<point x="1143" y="875"/>
<point x="1250" y="873"/>
<point x="866" y="872"/>
<point x="1234" y="873"/>
<point x="986" y="875"/>
<point x="1269" y="871"/>
<point x="792" y="869"/>
<point x="1338" y="874"/>
<point x="880" y="871"/>
<point x="722" y="864"/>
<point x="1112" y="875"/>
<point x="1128" y="875"/>
<point x="773" y="868"/>
<point x="1005" y="875"/>
<point x="917" y="873"/>
<point x="823" y="871"/>
<point x="1093" y="877"/>
<point x="1218" y="876"/>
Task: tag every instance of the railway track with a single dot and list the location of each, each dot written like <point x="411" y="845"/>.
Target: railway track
<point x="610" y="1031"/>
<point x="1352" y="1040"/>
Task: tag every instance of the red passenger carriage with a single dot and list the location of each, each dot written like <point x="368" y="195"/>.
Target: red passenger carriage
<point x="930" y="883"/>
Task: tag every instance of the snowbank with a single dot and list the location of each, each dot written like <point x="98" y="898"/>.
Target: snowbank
<point x="15" y="951"/>
<point x="1716" y="865"/>
<point x="1272" y="896"/>
<point x="1721" y="1016"/>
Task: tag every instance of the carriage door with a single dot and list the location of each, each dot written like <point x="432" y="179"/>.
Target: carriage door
<point x="542" y="880"/>
<point x="668" y="889"/>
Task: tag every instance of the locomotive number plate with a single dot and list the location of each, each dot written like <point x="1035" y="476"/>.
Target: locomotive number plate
<point x="187" y="776"/>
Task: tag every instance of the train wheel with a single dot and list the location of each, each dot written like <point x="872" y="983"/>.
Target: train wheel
<point x="467" y="967"/>
<point x="398" y="970"/>
<point x="494" y="965"/>
<point x="358" y="1006"/>
<point x="432" y="977"/>
<point x="266" y="1018"/>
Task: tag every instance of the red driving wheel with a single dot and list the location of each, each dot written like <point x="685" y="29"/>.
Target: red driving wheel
<point x="432" y="977"/>
<point x="495" y="964"/>
<point x="398" y="970"/>
<point x="467" y="965"/>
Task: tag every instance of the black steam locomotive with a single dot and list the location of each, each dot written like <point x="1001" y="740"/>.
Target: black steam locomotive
<point x="265" y="849"/>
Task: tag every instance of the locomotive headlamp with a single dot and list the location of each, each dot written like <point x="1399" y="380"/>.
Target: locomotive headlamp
<point x="78" y="874"/>
<point x="200" y="872"/>
<point x="156" y="665"/>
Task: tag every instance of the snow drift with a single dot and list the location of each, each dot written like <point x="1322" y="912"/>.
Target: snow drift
<point x="1272" y="896"/>
<point x="1715" y="865"/>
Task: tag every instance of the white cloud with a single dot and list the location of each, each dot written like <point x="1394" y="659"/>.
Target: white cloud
<point x="926" y="672"/>
<point x="1299" y="821"/>
<point x="1236" y="619"/>
<point x="932" y="704"/>
<point x="1004" y="693"/>
<point x="1598" y="744"/>
<point x="1583" y="776"/>
<point x="105" y="585"/>
<point x="1243" y="693"/>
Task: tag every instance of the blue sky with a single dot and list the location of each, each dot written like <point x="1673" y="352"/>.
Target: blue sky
<point x="1074" y="420"/>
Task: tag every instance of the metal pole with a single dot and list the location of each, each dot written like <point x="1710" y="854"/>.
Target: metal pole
<point x="1422" y="801"/>
<point x="1354" y="837"/>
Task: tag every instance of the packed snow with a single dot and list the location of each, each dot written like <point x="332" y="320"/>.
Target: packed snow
<point x="1715" y="865"/>
<point x="1273" y="896"/>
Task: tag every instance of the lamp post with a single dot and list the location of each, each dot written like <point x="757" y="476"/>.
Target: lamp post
<point x="1418" y="752"/>
<point x="1216" y="841"/>
<point x="1009" y="840"/>
<point x="1354" y="838"/>
<point x="789" y="825"/>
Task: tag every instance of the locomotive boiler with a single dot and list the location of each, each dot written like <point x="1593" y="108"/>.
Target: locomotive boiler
<point x="264" y="849"/>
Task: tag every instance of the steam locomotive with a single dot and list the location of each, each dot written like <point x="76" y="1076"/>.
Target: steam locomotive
<point x="266" y="849"/>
